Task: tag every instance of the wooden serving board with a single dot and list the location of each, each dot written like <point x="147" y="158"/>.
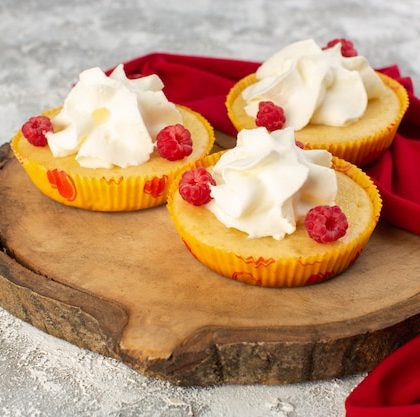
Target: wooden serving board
<point x="123" y="284"/>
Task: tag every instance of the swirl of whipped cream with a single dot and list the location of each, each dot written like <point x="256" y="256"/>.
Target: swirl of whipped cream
<point x="267" y="183"/>
<point x="111" y="121"/>
<point x="314" y="85"/>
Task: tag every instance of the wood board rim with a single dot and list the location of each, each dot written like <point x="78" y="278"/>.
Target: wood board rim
<point x="201" y="358"/>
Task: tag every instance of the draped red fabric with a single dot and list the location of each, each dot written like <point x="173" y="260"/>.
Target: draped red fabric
<point x="201" y="83"/>
<point x="397" y="172"/>
<point x="392" y="389"/>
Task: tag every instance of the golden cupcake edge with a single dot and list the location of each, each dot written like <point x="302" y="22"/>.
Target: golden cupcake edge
<point x="359" y="151"/>
<point x="282" y="271"/>
<point x="117" y="191"/>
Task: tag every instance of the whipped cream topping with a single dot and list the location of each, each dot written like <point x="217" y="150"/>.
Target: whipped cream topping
<point x="111" y="121"/>
<point x="314" y="85"/>
<point x="266" y="184"/>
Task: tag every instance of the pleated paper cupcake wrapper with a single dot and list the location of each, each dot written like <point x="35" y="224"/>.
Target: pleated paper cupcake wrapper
<point x="282" y="272"/>
<point x="116" y="193"/>
<point x="360" y="151"/>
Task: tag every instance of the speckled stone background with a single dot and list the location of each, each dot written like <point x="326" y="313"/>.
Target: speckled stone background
<point x="43" y="47"/>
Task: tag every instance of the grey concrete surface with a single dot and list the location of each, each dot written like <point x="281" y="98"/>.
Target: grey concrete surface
<point x="43" y="46"/>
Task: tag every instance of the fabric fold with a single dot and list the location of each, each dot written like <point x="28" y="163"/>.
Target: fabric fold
<point x="392" y="389"/>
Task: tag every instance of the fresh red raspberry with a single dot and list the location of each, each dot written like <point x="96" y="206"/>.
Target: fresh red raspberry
<point x="299" y="144"/>
<point x="134" y="76"/>
<point x="35" y="129"/>
<point x="194" y="186"/>
<point x="347" y="47"/>
<point x="326" y="223"/>
<point x="270" y="116"/>
<point x="174" y="142"/>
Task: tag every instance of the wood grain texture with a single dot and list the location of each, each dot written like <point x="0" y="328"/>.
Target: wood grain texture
<point x="123" y="284"/>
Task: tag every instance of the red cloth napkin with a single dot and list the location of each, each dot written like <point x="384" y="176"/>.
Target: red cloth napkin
<point x="397" y="172"/>
<point x="392" y="389"/>
<point x="202" y="84"/>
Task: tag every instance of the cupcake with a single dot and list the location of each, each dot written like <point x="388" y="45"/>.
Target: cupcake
<point x="270" y="213"/>
<point x="114" y="145"/>
<point x="330" y="96"/>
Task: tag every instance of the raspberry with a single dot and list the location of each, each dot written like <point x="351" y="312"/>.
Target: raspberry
<point x="347" y="47"/>
<point x="35" y="128"/>
<point x="326" y="224"/>
<point x="299" y="144"/>
<point x="134" y="76"/>
<point x="174" y="142"/>
<point x="270" y="116"/>
<point x="194" y="186"/>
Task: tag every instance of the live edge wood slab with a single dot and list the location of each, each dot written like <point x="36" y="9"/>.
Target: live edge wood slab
<point x="124" y="285"/>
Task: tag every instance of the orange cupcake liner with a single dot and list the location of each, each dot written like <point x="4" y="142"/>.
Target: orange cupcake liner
<point x="360" y="151"/>
<point x="237" y="121"/>
<point x="118" y="193"/>
<point x="282" y="272"/>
